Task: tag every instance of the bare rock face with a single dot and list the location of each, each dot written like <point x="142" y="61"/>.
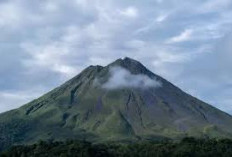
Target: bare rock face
<point x="123" y="101"/>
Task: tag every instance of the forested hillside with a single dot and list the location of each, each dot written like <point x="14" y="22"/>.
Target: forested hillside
<point x="188" y="147"/>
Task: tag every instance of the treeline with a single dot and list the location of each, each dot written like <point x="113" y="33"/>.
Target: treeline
<point x="188" y="147"/>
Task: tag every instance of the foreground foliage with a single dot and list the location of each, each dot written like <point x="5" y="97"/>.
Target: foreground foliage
<point x="188" y="147"/>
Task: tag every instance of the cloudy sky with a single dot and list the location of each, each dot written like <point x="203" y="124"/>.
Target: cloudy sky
<point x="45" y="42"/>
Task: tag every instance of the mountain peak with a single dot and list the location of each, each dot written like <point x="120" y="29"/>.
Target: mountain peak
<point x="127" y="61"/>
<point x="134" y="66"/>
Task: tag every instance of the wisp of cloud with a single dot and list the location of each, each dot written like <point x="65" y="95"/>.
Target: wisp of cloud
<point x="122" y="78"/>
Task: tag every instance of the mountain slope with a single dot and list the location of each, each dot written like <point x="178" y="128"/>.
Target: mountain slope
<point x="123" y="101"/>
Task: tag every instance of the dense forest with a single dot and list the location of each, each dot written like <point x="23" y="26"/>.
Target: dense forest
<point x="188" y="147"/>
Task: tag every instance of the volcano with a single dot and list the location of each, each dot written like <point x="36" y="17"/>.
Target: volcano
<point x="122" y="101"/>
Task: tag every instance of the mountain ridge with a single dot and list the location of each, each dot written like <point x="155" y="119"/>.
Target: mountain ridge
<point x="129" y="109"/>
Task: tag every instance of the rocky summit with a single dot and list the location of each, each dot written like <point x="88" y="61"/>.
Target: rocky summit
<point x="121" y="102"/>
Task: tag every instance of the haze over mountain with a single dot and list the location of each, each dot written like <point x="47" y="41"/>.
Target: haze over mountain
<point x="122" y="101"/>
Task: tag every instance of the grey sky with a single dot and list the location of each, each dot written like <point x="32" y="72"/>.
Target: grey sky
<point x="44" y="43"/>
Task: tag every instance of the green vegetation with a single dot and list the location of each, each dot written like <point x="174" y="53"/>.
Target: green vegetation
<point x="188" y="147"/>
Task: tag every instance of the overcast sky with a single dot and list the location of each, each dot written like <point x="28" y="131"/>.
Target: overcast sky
<point x="46" y="42"/>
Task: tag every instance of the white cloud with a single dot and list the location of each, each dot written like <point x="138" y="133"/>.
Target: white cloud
<point x="10" y="15"/>
<point x="137" y="44"/>
<point x="170" y="58"/>
<point x="65" y="69"/>
<point x="159" y="1"/>
<point x="184" y="36"/>
<point x="216" y="5"/>
<point x="122" y="78"/>
<point x="51" y="6"/>
<point x="49" y="56"/>
<point x="83" y="3"/>
<point x="130" y="12"/>
<point x="161" y="18"/>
